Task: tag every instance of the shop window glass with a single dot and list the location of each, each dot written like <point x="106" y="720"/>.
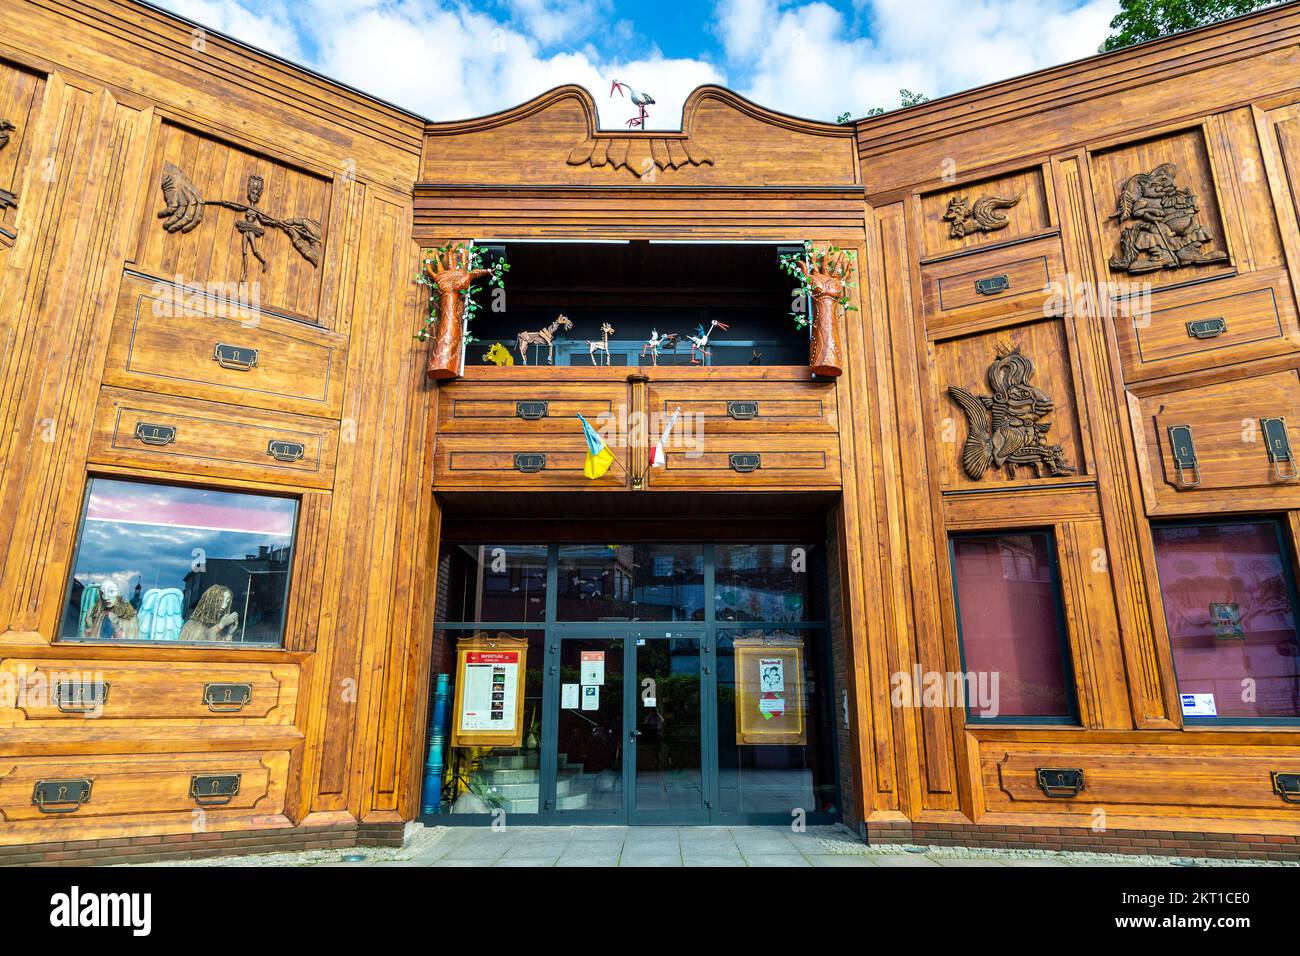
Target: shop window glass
<point x="1011" y="627"/>
<point x="644" y="582"/>
<point x="504" y="583"/>
<point x="184" y="565"/>
<point x="766" y="582"/>
<point x="1229" y="601"/>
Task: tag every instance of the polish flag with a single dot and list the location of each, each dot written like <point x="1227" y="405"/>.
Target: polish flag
<point x="657" y="453"/>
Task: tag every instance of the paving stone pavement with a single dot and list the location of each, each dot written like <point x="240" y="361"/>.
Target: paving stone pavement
<point x="523" y="846"/>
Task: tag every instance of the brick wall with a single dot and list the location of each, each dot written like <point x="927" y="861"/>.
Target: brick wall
<point x="1226" y="846"/>
<point x="193" y="846"/>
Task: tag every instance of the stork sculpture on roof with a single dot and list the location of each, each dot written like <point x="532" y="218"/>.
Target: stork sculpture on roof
<point x="639" y="100"/>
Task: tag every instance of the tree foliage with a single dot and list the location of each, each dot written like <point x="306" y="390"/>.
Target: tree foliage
<point x="1140" y="20"/>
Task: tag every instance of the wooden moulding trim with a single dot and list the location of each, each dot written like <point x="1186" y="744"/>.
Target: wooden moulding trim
<point x="698" y="97"/>
<point x="1080" y="80"/>
<point x="424" y="190"/>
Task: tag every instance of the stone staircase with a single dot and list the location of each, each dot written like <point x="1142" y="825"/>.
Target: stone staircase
<point x="514" y="781"/>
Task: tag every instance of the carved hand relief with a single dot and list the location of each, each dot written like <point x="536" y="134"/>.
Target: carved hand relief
<point x="1006" y="429"/>
<point x="965" y="218"/>
<point x="184" y="212"/>
<point x="639" y="155"/>
<point x="1164" y="229"/>
<point x="7" y="199"/>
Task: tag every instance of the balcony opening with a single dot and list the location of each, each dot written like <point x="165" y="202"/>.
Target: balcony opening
<point x="734" y="293"/>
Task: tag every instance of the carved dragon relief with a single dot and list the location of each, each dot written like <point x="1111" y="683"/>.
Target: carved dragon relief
<point x="638" y="154"/>
<point x="7" y="199"/>
<point x="1164" y="230"/>
<point x="184" y="212"/>
<point x="1006" y="429"/>
<point x="985" y="214"/>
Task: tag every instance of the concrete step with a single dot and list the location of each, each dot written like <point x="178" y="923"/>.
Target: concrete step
<point x="517" y="761"/>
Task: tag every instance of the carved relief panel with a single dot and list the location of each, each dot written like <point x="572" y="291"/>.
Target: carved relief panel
<point x="1006" y="407"/>
<point x="223" y="215"/>
<point x="20" y="93"/>
<point x="983" y="212"/>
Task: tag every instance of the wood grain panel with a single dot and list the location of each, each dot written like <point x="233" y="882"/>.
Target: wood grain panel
<point x="483" y="407"/>
<point x="474" y="462"/>
<point x="787" y="461"/>
<point x="1033" y="274"/>
<point x="721" y="407"/>
<point x="20" y="96"/>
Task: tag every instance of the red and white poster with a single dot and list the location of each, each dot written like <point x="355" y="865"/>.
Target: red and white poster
<point x="489" y="691"/>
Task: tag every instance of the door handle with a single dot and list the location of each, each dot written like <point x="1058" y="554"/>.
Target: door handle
<point x="633" y="735"/>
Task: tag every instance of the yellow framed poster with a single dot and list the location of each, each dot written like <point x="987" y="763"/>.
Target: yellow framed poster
<point x="488" y="710"/>
<point x="770" y="699"/>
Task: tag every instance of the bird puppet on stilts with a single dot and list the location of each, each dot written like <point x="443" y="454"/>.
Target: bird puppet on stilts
<point x="639" y="100"/>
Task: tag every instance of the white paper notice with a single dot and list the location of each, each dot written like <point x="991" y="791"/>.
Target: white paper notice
<point x="591" y="698"/>
<point x="487" y="700"/>
<point x="569" y="696"/>
<point x="593" y="668"/>
<point x="1199" y="705"/>
<point x="771" y="675"/>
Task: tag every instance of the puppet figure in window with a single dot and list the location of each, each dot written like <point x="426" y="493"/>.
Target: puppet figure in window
<point x="700" y="340"/>
<point x="212" y="620"/>
<point x="162" y="614"/>
<point x="498" y="355"/>
<point x="1006" y="429"/>
<point x="105" y="615"/>
<point x="667" y="341"/>
<point x="606" y="330"/>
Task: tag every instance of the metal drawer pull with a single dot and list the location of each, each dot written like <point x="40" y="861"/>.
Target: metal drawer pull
<point x="61" y="796"/>
<point x="530" y="464"/>
<point x="227" y="698"/>
<point x="212" y="790"/>
<point x="745" y="462"/>
<point x="1279" y="448"/>
<point x="1184" y="451"/>
<point x="79" y="697"/>
<point x="1286" y="786"/>
<point x="288" y="451"/>
<point x="234" y="357"/>
<point x="992" y="285"/>
<point x="1060" y="783"/>
<point x="155" y="434"/>
<point x="1207" y="328"/>
<point x="742" y="411"/>
<point x="532" y="411"/>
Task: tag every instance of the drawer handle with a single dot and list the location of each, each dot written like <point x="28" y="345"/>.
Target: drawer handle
<point x="992" y="285"/>
<point x="234" y="357"/>
<point x="745" y="462"/>
<point x="1207" y="328"/>
<point x="742" y="411"/>
<point x="212" y="790"/>
<point x="61" y="796"/>
<point x="1279" y="448"/>
<point x="1286" y="786"/>
<point x="79" y="697"/>
<point x="155" y="434"/>
<point x="286" y="450"/>
<point x="227" y="698"/>
<point x="530" y="464"/>
<point x="1056" y="782"/>
<point x="532" y="411"/>
<point x="1184" y="451"/>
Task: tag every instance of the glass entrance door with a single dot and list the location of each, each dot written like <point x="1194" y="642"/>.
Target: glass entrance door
<point x="671" y="779"/>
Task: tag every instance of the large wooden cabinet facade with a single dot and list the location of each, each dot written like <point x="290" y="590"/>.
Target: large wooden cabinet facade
<point x="109" y="100"/>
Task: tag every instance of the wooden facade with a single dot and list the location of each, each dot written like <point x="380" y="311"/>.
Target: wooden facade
<point x="108" y="97"/>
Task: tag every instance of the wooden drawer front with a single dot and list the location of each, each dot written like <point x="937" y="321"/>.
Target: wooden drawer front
<point x="272" y="363"/>
<point x="784" y="462"/>
<point x="995" y="283"/>
<point x="524" y="409"/>
<point x="210" y="439"/>
<point x="141" y="787"/>
<point x="723" y="407"/>
<point x="1227" y="438"/>
<point x="1151" y="776"/>
<point x="150" y="690"/>
<point x="1226" y="328"/>
<point x="505" y="463"/>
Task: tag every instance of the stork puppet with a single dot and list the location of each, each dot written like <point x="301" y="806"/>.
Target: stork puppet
<point x="700" y="340"/>
<point x="639" y="100"/>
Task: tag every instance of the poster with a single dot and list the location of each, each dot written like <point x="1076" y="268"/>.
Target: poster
<point x="590" y="697"/>
<point x="490" y="683"/>
<point x="593" y="668"/>
<point x="568" y="696"/>
<point x="1199" y="705"/>
<point x="771" y="705"/>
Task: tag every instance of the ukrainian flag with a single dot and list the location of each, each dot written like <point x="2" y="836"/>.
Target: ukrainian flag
<point x="599" y="457"/>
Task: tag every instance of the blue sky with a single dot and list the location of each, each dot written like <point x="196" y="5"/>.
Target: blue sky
<point x="817" y="58"/>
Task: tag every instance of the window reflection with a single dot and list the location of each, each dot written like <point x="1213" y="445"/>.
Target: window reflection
<point x="487" y="582"/>
<point x="766" y="582"/>
<point x="643" y="582"/>
<point x="161" y="563"/>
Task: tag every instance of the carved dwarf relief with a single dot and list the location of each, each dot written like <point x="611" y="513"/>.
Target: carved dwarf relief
<point x="7" y="199"/>
<point x="1165" y="231"/>
<point x="185" y="211"/>
<point x="984" y="215"/>
<point x="1006" y="429"/>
